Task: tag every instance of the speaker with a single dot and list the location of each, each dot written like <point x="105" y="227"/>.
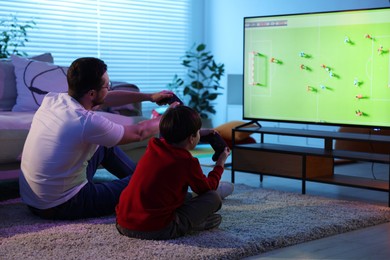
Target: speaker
<point x="234" y="89"/>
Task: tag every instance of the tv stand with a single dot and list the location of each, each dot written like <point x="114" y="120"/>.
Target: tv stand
<point x="306" y="163"/>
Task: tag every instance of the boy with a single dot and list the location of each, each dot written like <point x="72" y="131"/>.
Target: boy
<point x="155" y="204"/>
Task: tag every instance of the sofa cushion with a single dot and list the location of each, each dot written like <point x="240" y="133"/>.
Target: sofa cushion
<point x="34" y="79"/>
<point x="8" y="82"/>
<point x="13" y="140"/>
<point x="14" y="127"/>
<point x="225" y="130"/>
<point x="15" y="120"/>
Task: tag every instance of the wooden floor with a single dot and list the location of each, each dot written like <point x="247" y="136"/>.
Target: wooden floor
<point x="369" y="243"/>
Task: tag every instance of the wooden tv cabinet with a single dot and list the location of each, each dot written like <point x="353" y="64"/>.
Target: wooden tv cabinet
<point x="306" y="163"/>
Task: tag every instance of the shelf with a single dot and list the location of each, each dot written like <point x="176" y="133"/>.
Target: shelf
<point x="362" y="156"/>
<point x="342" y="154"/>
<point x="353" y="181"/>
<point x="282" y="148"/>
<point x="320" y="134"/>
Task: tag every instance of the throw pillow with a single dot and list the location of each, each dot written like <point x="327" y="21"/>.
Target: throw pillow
<point x="225" y="130"/>
<point x="8" y="83"/>
<point x="34" y="79"/>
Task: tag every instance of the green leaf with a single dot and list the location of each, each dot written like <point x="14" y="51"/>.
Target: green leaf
<point x="194" y="72"/>
<point x="186" y="91"/>
<point x="203" y="115"/>
<point x="213" y="96"/>
<point x="211" y="110"/>
<point x="197" y="84"/>
<point x="186" y="63"/>
<point x="201" y="47"/>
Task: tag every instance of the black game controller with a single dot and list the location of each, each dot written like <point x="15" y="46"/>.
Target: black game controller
<point x="172" y="99"/>
<point x="217" y="143"/>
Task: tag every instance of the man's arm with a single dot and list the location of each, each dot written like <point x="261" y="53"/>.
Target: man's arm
<point x="140" y="131"/>
<point x="121" y="97"/>
<point x="143" y="129"/>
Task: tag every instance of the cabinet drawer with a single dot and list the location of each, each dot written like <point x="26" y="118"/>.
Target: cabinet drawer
<point x="280" y="164"/>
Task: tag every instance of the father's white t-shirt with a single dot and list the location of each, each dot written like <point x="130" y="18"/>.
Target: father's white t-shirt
<point x="63" y="137"/>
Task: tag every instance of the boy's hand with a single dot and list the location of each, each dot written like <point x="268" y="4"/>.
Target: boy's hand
<point x="206" y="131"/>
<point x="222" y="158"/>
<point x="215" y="140"/>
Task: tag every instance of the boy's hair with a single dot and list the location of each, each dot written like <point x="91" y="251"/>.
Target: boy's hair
<point x="85" y="74"/>
<point x="179" y="123"/>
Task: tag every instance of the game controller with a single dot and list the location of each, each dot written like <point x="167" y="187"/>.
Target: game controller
<point x="217" y="143"/>
<point x="172" y="99"/>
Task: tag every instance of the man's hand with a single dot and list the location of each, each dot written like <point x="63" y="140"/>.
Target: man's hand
<point x="160" y="96"/>
<point x="174" y="104"/>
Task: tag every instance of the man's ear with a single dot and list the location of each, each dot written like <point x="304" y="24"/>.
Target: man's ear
<point x="91" y="93"/>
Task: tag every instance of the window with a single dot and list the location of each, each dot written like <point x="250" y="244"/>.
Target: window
<point x="141" y="41"/>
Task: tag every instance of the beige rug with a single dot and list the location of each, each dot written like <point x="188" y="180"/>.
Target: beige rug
<point x="254" y="221"/>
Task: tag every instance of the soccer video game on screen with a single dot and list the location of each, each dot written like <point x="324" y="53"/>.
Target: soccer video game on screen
<point x="327" y="68"/>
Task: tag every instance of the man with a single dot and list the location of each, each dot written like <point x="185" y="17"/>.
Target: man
<point x="68" y="141"/>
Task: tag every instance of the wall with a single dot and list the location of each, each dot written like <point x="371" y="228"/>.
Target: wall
<point x="223" y="31"/>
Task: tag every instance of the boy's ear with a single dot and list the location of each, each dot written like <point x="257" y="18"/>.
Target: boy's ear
<point x="191" y="138"/>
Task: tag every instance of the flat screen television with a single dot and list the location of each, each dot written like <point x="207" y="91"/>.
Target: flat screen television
<point x="318" y="68"/>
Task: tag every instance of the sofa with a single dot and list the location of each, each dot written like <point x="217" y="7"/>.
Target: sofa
<point x="23" y="84"/>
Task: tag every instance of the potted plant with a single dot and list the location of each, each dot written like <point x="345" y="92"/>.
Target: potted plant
<point x="201" y="85"/>
<point x="13" y="35"/>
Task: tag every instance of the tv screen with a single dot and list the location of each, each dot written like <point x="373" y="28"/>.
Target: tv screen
<point x="321" y="68"/>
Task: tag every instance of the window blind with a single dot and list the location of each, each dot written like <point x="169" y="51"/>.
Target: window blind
<point x="140" y="41"/>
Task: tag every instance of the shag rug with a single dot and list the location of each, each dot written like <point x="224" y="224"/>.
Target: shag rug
<point x="254" y="221"/>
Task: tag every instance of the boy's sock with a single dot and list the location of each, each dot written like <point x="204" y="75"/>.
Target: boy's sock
<point x="225" y="189"/>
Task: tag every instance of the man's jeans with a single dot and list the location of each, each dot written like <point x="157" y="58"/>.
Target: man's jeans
<point x="96" y="199"/>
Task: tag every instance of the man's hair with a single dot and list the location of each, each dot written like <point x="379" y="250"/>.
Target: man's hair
<point x="85" y="74"/>
<point x="178" y="123"/>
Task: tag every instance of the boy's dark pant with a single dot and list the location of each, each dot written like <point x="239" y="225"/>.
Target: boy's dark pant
<point x="192" y="213"/>
<point x="96" y="199"/>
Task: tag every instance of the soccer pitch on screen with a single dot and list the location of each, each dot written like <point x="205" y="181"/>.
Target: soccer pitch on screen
<point x="330" y="68"/>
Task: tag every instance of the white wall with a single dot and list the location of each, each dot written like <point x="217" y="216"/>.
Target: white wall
<point x="223" y="28"/>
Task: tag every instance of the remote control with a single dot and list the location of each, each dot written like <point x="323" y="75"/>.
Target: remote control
<point x="217" y="143"/>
